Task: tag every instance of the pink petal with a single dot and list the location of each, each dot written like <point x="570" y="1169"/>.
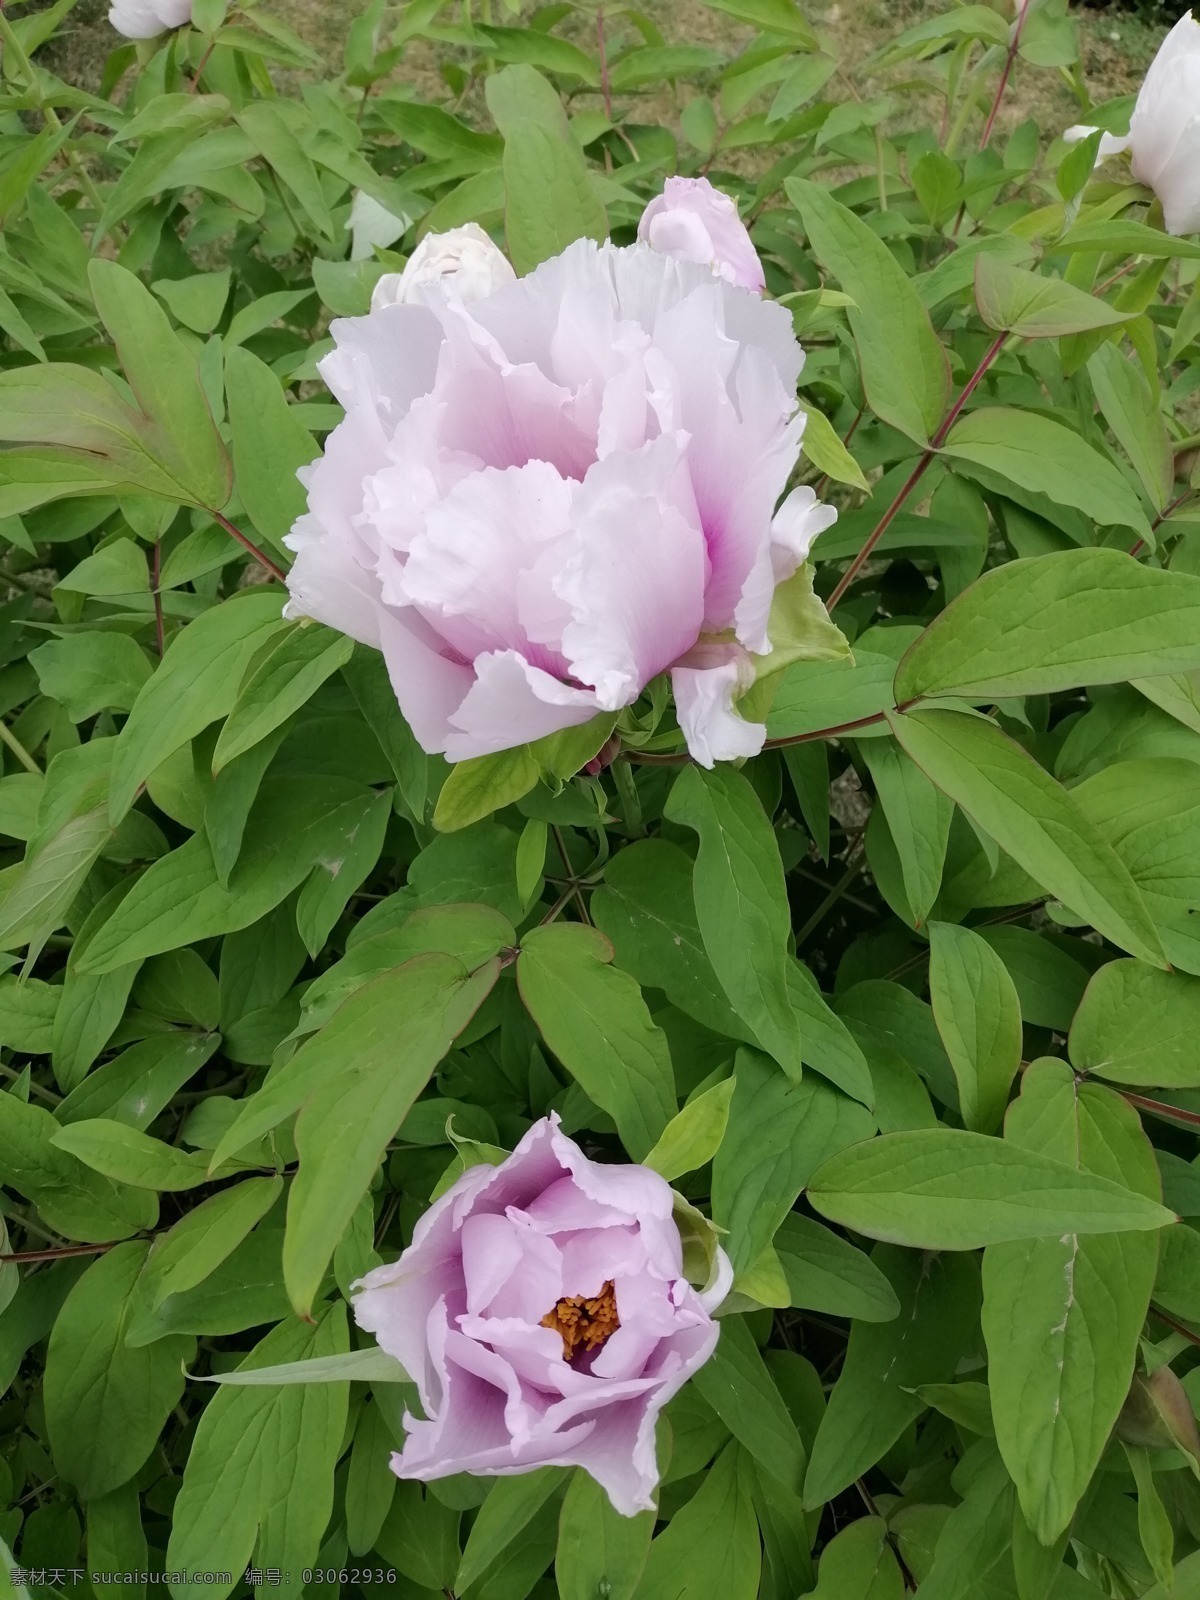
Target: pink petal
<point x="512" y="703"/>
<point x="634" y="580"/>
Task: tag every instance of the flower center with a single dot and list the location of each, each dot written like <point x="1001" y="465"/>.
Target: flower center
<point x="583" y="1323"/>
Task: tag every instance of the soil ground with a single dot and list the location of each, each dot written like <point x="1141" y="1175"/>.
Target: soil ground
<point x="1116" y="48"/>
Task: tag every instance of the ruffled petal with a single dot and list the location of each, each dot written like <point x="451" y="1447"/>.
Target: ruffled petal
<point x="634" y="579"/>
<point x="706" y="687"/>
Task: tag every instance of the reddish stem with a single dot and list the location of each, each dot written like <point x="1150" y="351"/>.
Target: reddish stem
<point x="54" y="1255"/>
<point x="1160" y="1108"/>
<point x="155" y="575"/>
<point x="917" y="473"/>
<point x="1161" y="518"/>
<point x="195" y="83"/>
<point x="263" y="560"/>
<point x="605" y="88"/>
<point x="1013" y="43"/>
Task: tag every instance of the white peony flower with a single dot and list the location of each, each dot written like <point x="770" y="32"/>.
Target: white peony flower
<point x="1164" y="131"/>
<point x="464" y="259"/>
<point x="146" y="19"/>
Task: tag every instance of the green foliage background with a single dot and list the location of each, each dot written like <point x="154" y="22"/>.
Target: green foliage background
<point x="908" y="1005"/>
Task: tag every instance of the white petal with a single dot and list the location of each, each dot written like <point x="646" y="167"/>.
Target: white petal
<point x="704" y="704"/>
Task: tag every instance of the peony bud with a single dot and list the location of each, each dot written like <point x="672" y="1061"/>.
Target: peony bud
<point x="464" y="259"/>
<point x="1158" y="1415"/>
<point x="692" y="221"/>
<point x="146" y="19"/>
<point x="371" y="224"/>
<point x="1164" y="131"/>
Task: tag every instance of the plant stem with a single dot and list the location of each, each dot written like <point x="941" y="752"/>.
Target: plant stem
<point x="263" y="560"/>
<point x="605" y="87"/>
<point x="8" y="737"/>
<point x="918" y="472"/>
<point x="155" y="575"/>
<point x="858" y="859"/>
<point x="13" y="44"/>
<point x="55" y="1255"/>
<point x="1013" y="44"/>
<point x="631" y="805"/>
<point x="1162" y="516"/>
<point x="1161" y="1108"/>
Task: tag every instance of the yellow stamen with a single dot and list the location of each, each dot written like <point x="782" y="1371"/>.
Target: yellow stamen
<point x="584" y="1323"/>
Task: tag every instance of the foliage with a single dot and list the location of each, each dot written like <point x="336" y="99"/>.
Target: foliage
<point x="907" y="1005"/>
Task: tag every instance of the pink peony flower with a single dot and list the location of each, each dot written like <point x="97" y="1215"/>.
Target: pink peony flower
<point x="692" y="221"/>
<point x="1164" y="130"/>
<point x="543" y="1314"/>
<point x="541" y="499"/>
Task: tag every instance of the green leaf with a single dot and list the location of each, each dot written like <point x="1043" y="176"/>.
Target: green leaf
<point x="741" y="903"/>
<point x="197" y="301"/>
<point x="771" y="16"/>
<point x="1062" y="1316"/>
<point x="779" y="1134"/>
<point x="827" y="1044"/>
<point x="105" y="1403"/>
<point x="268" y="130"/>
<point x="646" y="908"/>
<point x="242" y="1498"/>
<point x="859" y="1561"/>
<point x="1044" y="457"/>
<point x="1058" y="621"/>
<point x="1124" y="238"/>
<point x="600" y="1552"/>
<point x="364" y="1366"/>
<point x="181" y="898"/>
<point x="549" y="198"/>
<point x="348" y="1120"/>
<point x="335" y="879"/>
<point x="918" y="818"/>
<point x="1034" y="306"/>
<point x="370" y="1482"/>
<point x="204" y="1237"/>
<point x="872" y="1401"/>
<point x="710" y="1546"/>
<point x="593" y="1017"/>
<point x="826" y="451"/>
<point x="283" y="674"/>
<point x="1131" y="409"/>
<point x="942" y="1189"/>
<point x="195" y="685"/>
<point x="693" y="1136"/>
<point x="1032" y="818"/>
<point x="359" y="1036"/>
<point x="816" y="696"/>
<point x="905" y="374"/>
<point x="116" y="1542"/>
<point x="182" y="436"/>
<point x="129" y="1156"/>
<point x="90" y="672"/>
<point x="269" y="444"/>
<point x="824" y="1273"/>
<point x="511" y="1505"/>
<point x="477" y="788"/>
<point x="978" y="1015"/>
<point x="738" y="1387"/>
<point x="71" y="1199"/>
<point x="1138" y="1025"/>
